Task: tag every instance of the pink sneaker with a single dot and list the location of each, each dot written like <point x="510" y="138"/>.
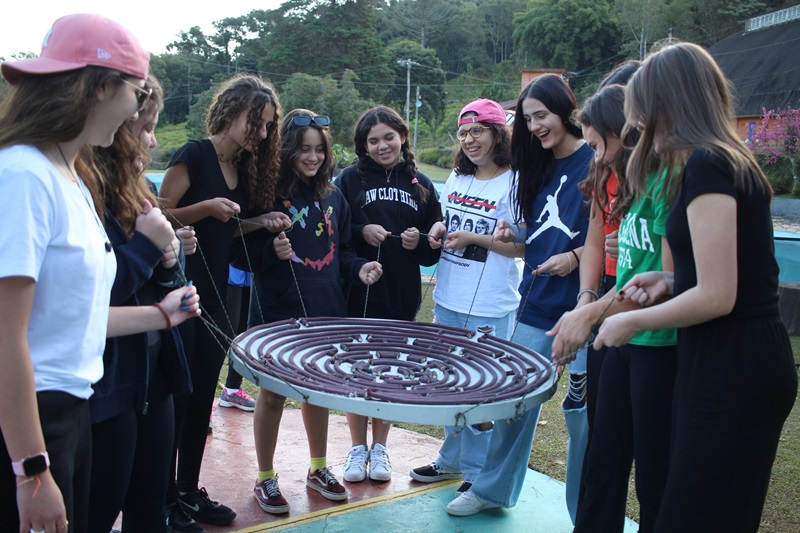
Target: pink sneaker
<point x="239" y="399"/>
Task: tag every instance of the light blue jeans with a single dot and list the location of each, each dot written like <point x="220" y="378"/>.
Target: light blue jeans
<point x="503" y="474"/>
<point x="464" y="448"/>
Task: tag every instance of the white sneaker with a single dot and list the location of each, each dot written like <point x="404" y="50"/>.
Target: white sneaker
<point x="380" y="468"/>
<point x="469" y="504"/>
<point x="355" y="468"/>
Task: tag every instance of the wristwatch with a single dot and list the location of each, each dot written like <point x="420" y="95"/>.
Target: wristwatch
<point x="31" y="466"/>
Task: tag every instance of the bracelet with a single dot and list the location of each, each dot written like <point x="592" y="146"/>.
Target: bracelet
<point x="590" y="291"/>
<point x="30" y="480"/>
<point x="166" y="315"/>
<point x="578" y="259"/>
<point x="570" y="262"/>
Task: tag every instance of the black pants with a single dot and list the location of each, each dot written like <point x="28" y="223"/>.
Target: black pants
<point x="632" y="421"/>
<point x="736" y="385"/>
<point x="130" y="465"/>
<point x="66" y="425"/>
<point x="238" y="305"/>
<point x="205" y="353"/>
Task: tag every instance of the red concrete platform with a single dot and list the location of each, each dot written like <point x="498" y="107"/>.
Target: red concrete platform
<point x="229" y="466"/>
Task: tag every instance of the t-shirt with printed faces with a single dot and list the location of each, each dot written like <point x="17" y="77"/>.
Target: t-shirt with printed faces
<point x="476" y="280"/>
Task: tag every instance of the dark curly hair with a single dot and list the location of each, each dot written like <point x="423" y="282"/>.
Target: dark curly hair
<point x="259" y="166"/>
<point x="501" y="151"/>
<point x="368" y="120"/>
<point x="291" y="143"/>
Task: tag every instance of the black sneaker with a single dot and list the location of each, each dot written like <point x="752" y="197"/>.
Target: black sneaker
<point x="432" y="472"/>
<point x="180" y="522"/>
<point x="463" y="488"/>
<point x="199" y="506"/>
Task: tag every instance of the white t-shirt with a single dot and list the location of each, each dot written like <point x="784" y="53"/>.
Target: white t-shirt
<point x="51" y="233"/>
<point x="475" y="280"/>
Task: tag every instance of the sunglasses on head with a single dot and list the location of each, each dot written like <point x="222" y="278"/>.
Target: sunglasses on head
<point x="142" y="94"/>
<point x="305" y="120"/>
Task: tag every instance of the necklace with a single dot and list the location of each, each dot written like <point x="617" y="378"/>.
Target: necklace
<point x="388" y="173"/>
<point x="485" y="184"/>
<point x="82" y="188"/>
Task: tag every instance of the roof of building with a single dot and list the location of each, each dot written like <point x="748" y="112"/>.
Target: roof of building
<point x="764" y="66"/>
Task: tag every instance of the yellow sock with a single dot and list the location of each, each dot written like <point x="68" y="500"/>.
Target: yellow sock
<point x="264" y="475"/>
<point x="318" y="463"/>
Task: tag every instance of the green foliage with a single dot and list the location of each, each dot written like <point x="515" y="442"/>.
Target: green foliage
<point x="344" y="156"/>
<point x="427" y="74"/>
<point x="569" y="34"/>
<point x="196" y="121"/>
<point x="436" y="156"/>
<point x="338" y="99"/>
<point x="170" y="137"/>
<point x="327" y="38"/>
<point x="779" y="172"/>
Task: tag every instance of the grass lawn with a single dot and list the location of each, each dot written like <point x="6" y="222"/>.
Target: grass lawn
<point x="548" y="455"/>
<point x="433" y="172"/>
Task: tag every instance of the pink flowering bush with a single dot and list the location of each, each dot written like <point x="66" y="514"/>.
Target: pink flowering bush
<point x="778" y="137"/>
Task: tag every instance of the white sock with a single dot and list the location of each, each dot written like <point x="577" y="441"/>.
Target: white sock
<point x="230" y="391"/>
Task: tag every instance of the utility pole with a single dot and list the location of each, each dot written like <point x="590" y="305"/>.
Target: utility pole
<point x="417" y="105"/>
<point x="407" y="63"/>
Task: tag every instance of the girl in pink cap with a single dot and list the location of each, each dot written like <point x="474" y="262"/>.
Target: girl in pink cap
<point x="57" y="265"/>
<point x="476" y="289"/>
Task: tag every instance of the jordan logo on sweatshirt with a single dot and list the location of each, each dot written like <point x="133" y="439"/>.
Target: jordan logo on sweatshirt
<point x="552" y="220"/>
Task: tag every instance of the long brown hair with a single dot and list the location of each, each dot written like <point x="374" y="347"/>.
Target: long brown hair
<point x="53" y="108"/>
<point x="681" y="101"/>
<point x="121" y="166"/>
<point x="258" y="168"/>
<point x="604" y="111"/>
<point x="291" y="144"/>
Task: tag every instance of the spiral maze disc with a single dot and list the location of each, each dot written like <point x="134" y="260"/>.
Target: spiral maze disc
<point x="400" y="371"/>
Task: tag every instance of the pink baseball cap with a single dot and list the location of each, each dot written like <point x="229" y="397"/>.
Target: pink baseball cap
<point x="488" y="111"/>
<point x="80" y="40"/>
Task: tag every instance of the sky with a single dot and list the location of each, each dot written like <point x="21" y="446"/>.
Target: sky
<point x="24" y="23"/>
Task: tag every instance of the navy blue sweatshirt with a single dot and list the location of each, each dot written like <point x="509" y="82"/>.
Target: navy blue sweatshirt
<point x="389" y="203"/>
<point x="310" y="283"/>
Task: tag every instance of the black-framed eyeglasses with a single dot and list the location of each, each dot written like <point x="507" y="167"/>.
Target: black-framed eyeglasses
<point x="474" y="132"/>
<point x="143" y="94"/>
<point x="305" y="120"/>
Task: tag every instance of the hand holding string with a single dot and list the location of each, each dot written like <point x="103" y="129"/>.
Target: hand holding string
<point x="504" y="231"/>
<point x="222" y="208"/>
<point x="435" y="235"/>
<point x="374" y="234"/>
<point x="370" y="272"/>
<point x="410" y="238"/>
<point x="282" y="246"/>
<point x="154" y="225"/>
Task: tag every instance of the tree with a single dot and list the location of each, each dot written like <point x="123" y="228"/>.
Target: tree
<point x="419" y="20"/>
<point x="571" y="34"/>
<point x="427" y="74"/>
<point x="779" y="136"/>
<point x="326" y="39"/>
<point x="338" y="99"/>
<point x="498" y="16"/>
<point x="642" y="22"/>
